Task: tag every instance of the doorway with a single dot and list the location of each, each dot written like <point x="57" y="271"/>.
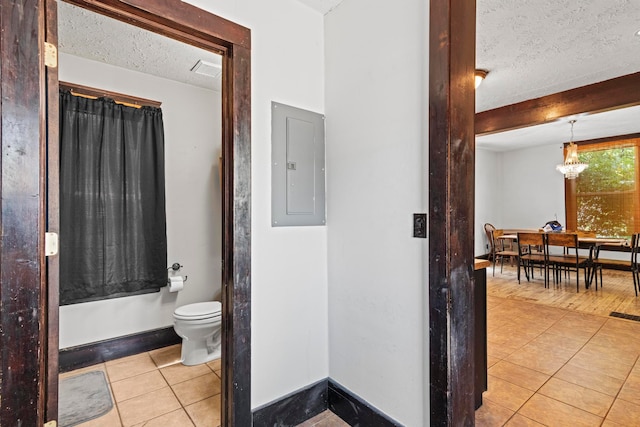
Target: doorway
<point x="193" y="26"/>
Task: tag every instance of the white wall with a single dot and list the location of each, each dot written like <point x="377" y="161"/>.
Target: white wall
<point x="289" y="332"/>
<point x="489" y="196"/>
<point x="532" y="191"/>
<point x="517" y="189"/>
<point x="376" y="107"/>
<point x="192" y="121"/>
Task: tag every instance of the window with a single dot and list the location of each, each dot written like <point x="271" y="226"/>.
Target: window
<point x="605" y="198"/>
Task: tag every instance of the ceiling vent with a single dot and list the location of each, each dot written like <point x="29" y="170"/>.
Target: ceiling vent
<point x="207" y="69"/>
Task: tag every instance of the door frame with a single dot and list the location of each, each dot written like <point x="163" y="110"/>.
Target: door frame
<point x="191" y="25"/>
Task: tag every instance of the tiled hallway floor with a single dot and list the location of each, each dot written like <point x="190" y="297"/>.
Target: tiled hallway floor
<point x="154" y="389"/>
<point x="556" y="366"/>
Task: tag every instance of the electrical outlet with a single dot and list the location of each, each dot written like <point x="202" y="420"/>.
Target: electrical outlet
<point x="420" y="225"/>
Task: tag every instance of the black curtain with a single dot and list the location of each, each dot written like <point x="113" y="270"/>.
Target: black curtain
<point x="112" y="200"/>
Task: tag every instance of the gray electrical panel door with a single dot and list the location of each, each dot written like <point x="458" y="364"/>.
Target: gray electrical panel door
<point x="297" y="166"/>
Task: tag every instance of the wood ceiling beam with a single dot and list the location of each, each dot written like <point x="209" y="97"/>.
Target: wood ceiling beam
<point x="608" y="95"/>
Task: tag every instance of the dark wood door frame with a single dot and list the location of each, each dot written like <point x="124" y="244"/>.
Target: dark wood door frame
<point x="451" y="211"/>
<point x="28" y="89"/>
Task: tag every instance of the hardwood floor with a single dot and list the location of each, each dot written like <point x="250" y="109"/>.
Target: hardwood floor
<point x="617" y="294"/>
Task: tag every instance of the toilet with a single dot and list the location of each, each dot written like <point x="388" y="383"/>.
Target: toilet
<point x="199" y="326"/>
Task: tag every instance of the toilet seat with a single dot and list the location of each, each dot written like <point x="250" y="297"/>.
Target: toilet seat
<point x="199" y="311"/>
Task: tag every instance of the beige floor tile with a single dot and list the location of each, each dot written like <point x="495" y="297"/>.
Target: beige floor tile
<point x="166" y="356"/>
<point x="110" y="419"/>
<point x="521" y="421"/>
<point x="129" y="367"/>
<point x="177" y="373"/>
<point x="205" y="413"/>
<point x="540" y="360"/>
<point x="138" y="385"/>
<point x="148" y="406"/>
<point x="631" y="390"/>
<point x="98" y="367"/>
<point x="518" y="375"/>
<point x="177" y="418"/>
<point x="552" y="342"/>
<point x="610" y="352"/>
<point x="324" y="419"/>
<point x="492" y="415"/>
<point x="554" y="413"/>
<point x="506" y="394"/>
<point x="197" y="389"/>
<point x="215" y="365"/>
<point x="600" y="363"/>
<point x="583" y="398"/>
<point x="597" y="381"/>
<point x="625" y="413"/>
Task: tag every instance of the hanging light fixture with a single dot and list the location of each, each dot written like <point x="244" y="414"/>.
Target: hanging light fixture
<point x="572" y="166"/>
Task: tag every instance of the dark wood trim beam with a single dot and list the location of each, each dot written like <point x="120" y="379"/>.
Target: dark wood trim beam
<point x="52" y="183"/>
<point x="610" y="94"/>
<point x="22" y="138"/>
<point x="236" y="289"/>
<point x="120" y="98"/>
<point x="451" y="211"/>
<point x="175" y="19"/>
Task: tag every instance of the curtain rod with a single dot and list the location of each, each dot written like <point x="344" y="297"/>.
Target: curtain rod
<point x="120" y="98"/>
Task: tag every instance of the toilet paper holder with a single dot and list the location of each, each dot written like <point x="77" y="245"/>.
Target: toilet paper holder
<point x="175" y="267"/>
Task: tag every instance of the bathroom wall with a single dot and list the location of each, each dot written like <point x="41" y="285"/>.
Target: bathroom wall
<point x="377" y="161"/>
<point x="289" y="328"/>
<point x="192" y="120"/>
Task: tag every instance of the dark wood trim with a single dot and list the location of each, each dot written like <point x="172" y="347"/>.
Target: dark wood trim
<point x="603" y="96"/>
<point x="28" y="309"/>
<point x="175" y="19"/>
<point x="294" y="408"/>
<point x="102" y="351"/>
<point x="120" y="98"/>
<point x="53" y="217"/>
<point x="354" y="410"/>
<point x="451" y="211"/>
<point x="22" y="216"/>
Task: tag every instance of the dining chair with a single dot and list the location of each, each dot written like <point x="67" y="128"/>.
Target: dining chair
<point x="635" y="266"/>
<point x="502" y="251"/>
<point x="532" y="252"/>
<point x="569" y="260"/>
<point x="488" y="230"/>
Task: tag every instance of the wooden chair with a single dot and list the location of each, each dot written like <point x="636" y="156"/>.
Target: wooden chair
<point x="488" y="230"/>
<point x="531" y="253"/>
<point x="635" y="266"/>
<point x="569" y="260"/>
<point x="501" y="251"/>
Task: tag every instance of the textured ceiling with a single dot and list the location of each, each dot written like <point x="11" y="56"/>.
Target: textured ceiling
<point x="96" y="37"/>
<point x="531" y="48"/>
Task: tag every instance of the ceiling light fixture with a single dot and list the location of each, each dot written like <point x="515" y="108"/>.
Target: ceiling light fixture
<point x="572" y="166"/>
<point x="480" y="76"/>
<point x="637" y="33"/>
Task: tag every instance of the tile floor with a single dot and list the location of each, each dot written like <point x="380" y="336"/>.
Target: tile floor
<point x="551" y="366"/>
<point x="154" y="389"/>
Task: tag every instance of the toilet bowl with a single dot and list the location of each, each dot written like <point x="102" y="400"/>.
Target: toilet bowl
<point x="199" y="327"/>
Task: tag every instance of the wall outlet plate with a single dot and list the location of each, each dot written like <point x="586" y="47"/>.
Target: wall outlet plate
<point x="420" y="225"/>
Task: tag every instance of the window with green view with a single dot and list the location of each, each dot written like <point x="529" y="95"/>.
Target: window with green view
<point x="605" y="197"/>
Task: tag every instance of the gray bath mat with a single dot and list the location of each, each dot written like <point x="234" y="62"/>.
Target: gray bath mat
<point x="83" y="398"/>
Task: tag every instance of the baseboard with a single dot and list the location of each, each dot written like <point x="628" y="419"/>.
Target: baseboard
<point x="102" y="351"/>
<point x="306" y="403"/>
<point x="294" y="408"/>
<point x="354" y="410"/>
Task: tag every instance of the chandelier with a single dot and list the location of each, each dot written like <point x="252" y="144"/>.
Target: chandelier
<point x="572" y="166"/>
